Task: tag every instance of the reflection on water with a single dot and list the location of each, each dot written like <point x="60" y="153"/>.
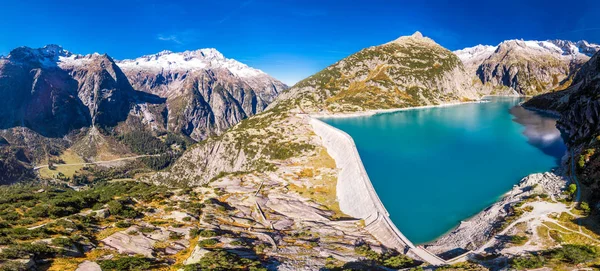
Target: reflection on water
<point x="541" y="131"/>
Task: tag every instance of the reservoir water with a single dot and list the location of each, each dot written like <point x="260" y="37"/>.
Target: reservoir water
<point x="434" y="167"/>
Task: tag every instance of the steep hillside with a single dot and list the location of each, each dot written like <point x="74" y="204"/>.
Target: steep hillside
<point x="527" y="67"/>
<point x="206" y="93"/>
<point x="579" y="109"/>
<point x="578" y="104"/>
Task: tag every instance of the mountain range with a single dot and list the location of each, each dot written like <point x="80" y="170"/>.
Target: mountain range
<point x="232" y="155"/>
<point x="527" y="67"/>
<point x="57" y="99"/>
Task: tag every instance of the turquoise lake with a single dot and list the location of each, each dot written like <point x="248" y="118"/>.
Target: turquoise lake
<point x="434" y="167"/>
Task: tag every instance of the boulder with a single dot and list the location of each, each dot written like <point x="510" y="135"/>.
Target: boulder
<point x="88" y="266"/>
<point x="196" y="255"/>
<point x="130" y="244"/>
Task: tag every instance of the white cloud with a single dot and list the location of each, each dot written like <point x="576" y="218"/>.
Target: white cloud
<point x="172" y="38"/>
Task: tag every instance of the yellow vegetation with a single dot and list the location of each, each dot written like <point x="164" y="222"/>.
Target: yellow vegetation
<point x="107" y="232"/>
<point x="64" y="264"/>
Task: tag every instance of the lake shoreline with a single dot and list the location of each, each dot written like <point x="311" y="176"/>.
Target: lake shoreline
<point x="347" y="196"/>
<point x="369" y="113"/>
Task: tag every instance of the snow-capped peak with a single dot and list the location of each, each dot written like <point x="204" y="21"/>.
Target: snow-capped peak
<point x="476" y="52"/>
<point x="562" y="47"/>
<point x="580" y="49"/>
<point x="48" y="55"/>
<point x="190" y="61"/>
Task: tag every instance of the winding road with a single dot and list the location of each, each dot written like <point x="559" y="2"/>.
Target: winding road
<point x="98" y="162"/>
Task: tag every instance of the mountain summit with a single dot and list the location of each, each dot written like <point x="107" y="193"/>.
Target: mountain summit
<point x="206" y="92"/>
<point x="190" y="61"/>
<point x="409" y="71"/>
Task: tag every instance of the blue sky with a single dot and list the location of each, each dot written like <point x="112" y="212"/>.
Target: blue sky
<point x="289" y="39"/>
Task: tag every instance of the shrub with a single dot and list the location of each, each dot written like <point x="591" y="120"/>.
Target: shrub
<point x="208" y="233"/>
<point x="122" y="224"/>
<point x="194" y="232"/>
<point x="574" y="254"/>
<point x="145" y="229"/>
<point x="585" y="207"/>
<point x="13" y="266"/>
<point x="115" y="207"/>
<point x="527" y="262"/>
<point x="175" y="236"/>
<point x="62" y="242"/>
<point x="398" y="261"/>
<point x="20" y="251"/>
<point x="238" y="243"/>
<point x="208" y="242"/>
<point x="127" y="263"/>
<point x="518" y="240"/>
<point x="224" y="261"/>
<point x="390" y="259"/>
<point x="571" y="189"/>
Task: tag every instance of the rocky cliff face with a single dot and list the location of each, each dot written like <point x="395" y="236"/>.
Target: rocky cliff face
<point x="579" y="111"/>
<point x="206" y="93"/>
<point x="38" y="94"/>
<point x="101" y="86"/>
<point x="409" y="71"/>
<point x="578" y="105"/>
<point x="527" y="67"/>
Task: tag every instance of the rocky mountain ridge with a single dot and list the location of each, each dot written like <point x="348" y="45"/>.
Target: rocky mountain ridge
<point x="56" y="99"/>
<point x="527" y="67"/>
<point x="195" y="81"/>
<point x="409" y="71"/>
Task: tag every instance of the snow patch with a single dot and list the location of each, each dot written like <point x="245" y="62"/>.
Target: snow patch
<point x="580" y="49"/>
<point x="477" y="52"/>
<point x="190" y="61"/>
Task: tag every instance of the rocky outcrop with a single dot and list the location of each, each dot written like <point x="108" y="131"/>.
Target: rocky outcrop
<point x="479" y="229"/>
<point x="131" y="244"/>
<point x="14" y="166"/>
<point x="88" y="266"/>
